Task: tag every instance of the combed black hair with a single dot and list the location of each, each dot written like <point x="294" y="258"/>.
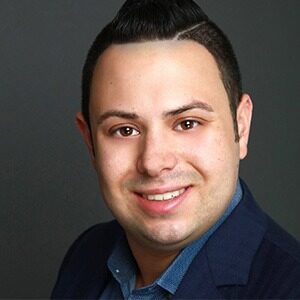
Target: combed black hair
<point x="149" y="20"/>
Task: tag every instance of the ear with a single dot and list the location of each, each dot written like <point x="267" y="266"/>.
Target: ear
<point x="86" y="134"/>
<point x="244" y="116"/>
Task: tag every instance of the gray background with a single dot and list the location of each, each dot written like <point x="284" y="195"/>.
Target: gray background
<point x="49" y="192"/>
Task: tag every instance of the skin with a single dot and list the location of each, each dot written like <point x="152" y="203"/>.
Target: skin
<point x="160" y="121"/>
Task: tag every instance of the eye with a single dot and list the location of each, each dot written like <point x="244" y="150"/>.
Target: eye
<point x="187" y="125"/>
<point x="125" y="131"/>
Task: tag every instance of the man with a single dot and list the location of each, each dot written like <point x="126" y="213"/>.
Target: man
<point x="166" y="124"/>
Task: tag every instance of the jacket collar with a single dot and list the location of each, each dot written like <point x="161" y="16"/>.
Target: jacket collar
<point x="227" y="257"/>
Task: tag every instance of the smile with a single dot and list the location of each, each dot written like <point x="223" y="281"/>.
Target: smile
<point x="164" y="196"/>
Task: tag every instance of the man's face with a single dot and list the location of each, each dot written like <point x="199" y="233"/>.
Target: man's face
<point x="163" y="138"/>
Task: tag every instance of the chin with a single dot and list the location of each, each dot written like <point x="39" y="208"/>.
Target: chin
<point x="170" y="237"/>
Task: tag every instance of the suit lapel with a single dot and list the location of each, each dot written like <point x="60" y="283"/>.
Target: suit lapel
<point x="232" y="248"/>
<point x="95" y="288"/>
<point x="198" y="283"/>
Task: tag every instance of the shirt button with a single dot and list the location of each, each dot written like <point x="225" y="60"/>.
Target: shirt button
<point x="117" y="271"/>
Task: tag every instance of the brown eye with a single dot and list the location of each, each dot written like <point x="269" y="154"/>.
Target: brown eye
<point x="126" y="131"/>
<point x="187" y="124"/>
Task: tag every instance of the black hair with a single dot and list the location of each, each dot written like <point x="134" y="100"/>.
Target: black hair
<point x="147" y="20"/>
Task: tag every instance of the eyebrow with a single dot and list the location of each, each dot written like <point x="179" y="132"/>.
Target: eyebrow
<point x="195" y="104"/>
<point x="117" y="113"/>
<point x="133" y="116"/>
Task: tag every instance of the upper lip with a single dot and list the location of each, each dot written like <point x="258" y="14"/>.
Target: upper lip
<point x="160" y="190"/>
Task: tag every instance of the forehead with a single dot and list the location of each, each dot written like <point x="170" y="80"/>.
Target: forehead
<point x="155" y="71"/>
<point x="124" y="57"/>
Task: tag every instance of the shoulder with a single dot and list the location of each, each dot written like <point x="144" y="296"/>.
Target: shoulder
<point x="276" y="264"/>
<point x="86" y="259"/>
<point x="100" y="237"/>
<point x="279" y="257"/>
<point x="100" y="233"/>
<point x="275" y="269"/>
<point x="267" y="258"/>
<point x="277" y="244"/>
<point x="282" y="240"/>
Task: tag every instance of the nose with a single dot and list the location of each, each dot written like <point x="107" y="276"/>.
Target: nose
<point x="156" y="156"/>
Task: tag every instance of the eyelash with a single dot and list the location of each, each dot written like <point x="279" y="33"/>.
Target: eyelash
<point x="194" y="122"/>
<point x="117" y="131"/>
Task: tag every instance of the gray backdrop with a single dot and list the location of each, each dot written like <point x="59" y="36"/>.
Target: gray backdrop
<point x="49" y="191"/>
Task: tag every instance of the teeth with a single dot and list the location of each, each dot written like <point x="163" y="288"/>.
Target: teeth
<point x="165" y="196"/>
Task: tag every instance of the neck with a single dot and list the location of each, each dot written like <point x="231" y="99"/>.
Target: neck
<point x="151" y="264"/>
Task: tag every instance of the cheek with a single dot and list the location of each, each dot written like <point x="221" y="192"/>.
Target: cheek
<point x="114" y="162"/>
<point x="210" y="150"/>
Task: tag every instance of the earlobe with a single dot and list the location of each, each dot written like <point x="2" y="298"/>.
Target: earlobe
<point x="86" y="134"/>
<point x="244" y="116"/>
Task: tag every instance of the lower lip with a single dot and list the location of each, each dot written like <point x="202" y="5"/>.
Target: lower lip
<point x="164" y="207"/>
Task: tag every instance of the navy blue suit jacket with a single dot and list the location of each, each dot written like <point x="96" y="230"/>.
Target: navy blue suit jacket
<point x="248" y="257"/>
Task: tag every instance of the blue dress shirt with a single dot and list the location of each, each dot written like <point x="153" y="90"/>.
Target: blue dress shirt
<point x="123" y="267"/>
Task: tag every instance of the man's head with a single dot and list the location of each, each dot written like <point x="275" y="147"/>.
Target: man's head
<point x="150" y="20"/>
<point x="157" y="119"/>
